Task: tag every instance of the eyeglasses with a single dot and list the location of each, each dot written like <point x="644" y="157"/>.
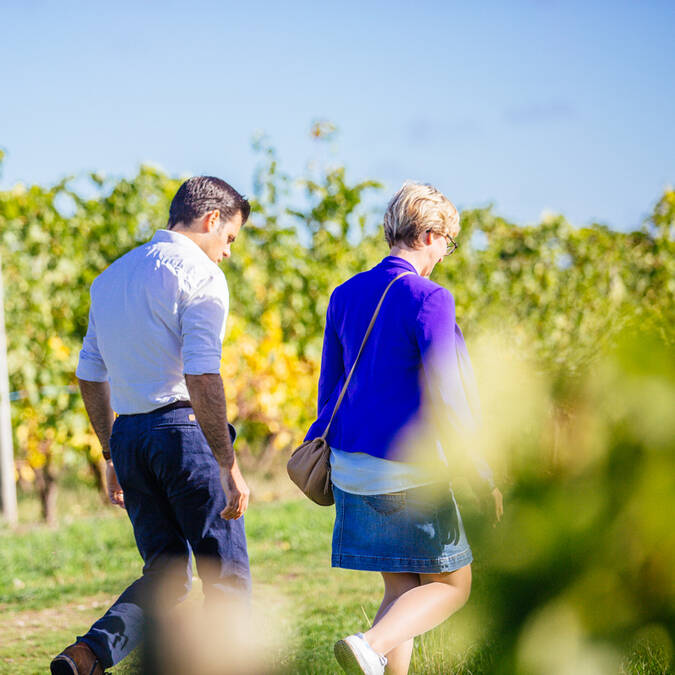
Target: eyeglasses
<point x="452" y="244"/>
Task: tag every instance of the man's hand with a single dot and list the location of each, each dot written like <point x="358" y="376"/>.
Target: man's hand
<point x="115" y="493"/>
<point x="208" y="400"/>
<point x="236" y="492"/>
<point x="96" y="397"/>
<point x="499" y="504"/>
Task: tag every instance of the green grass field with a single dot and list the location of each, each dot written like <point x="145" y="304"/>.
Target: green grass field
<point x="55" y="582"/>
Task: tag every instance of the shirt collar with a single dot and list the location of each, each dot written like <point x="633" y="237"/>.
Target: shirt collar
<point x="180" y="239"/>
<point x="395" y="261"/>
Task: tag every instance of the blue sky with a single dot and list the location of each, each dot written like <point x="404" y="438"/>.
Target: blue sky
<point x="533" y="105"/>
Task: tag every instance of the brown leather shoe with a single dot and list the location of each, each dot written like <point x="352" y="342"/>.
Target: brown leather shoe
<point x="77" y="659"/>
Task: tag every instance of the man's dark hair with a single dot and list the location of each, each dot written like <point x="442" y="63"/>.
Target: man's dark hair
<point x="200" y="194"/>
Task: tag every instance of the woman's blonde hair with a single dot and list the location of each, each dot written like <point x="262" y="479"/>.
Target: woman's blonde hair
<point x="416" y="208"/>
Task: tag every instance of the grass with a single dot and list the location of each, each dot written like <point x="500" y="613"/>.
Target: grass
<point x="55" y="582"/>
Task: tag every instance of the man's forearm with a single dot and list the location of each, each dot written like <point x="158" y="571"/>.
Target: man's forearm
<point x="96" y="397"/>
<point x="208" y="400"/>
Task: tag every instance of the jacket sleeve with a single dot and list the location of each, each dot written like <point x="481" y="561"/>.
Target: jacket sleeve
<point x="332" y="365"/>
<point x="449" y="375"/>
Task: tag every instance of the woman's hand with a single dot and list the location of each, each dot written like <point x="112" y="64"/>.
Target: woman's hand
<point x="499" y="504"/>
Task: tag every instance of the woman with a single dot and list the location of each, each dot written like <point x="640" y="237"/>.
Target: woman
<point x="388" y="515"/>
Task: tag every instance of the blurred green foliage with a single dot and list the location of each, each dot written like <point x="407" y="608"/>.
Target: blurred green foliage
<point x="581" y="572"/>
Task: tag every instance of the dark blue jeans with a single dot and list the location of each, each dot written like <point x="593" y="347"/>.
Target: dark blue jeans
<point x="173" y="496"/>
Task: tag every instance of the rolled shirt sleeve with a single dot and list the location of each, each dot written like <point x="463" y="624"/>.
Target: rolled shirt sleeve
<point x="203" y="314"/>
<point x="90" y="366"/>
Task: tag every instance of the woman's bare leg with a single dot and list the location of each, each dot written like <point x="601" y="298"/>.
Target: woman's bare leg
<point x="395" y="585"/>
<point x="420" y="609"/>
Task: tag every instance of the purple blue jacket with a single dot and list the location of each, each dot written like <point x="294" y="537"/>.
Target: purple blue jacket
<point x="416" y="322"/>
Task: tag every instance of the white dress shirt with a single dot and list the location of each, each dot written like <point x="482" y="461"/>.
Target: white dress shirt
<point x="156" y="313"/>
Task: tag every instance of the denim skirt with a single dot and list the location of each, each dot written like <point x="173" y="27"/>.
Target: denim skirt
<point x="409" y="531"/>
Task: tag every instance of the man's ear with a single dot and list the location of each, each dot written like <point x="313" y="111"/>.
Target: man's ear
<point x="211" y="219"/>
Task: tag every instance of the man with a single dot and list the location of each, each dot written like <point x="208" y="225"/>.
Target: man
<point x="152" y="354"/>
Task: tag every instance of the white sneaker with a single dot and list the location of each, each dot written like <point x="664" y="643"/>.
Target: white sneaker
<point x="357" y="657"/>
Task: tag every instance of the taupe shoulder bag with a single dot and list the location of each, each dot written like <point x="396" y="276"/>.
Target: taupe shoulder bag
<point x="309" y="465"/>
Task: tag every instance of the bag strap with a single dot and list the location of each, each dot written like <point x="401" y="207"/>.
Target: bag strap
<point x="363" y="344"/>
